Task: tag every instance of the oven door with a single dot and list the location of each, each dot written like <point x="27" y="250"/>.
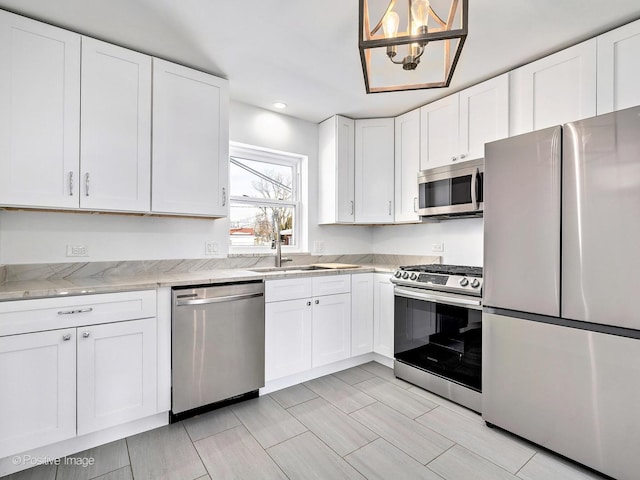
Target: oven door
<point x="451" y="190"/>
<point x="439" y="333"/>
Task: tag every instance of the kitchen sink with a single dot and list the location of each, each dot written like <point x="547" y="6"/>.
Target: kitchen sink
<point x="289" y="268"/>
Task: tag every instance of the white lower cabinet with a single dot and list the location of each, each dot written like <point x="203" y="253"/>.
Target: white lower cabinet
<point x="117" y="369"/>
<point x="287" y="338"/>
<point x="331" y="329"/>
<point x="304" y="332"/>
<point x="383" y="314"/>
<point x="85" y="376"/>
<point x="38" y="400"/>
<point x="361" y="313"/>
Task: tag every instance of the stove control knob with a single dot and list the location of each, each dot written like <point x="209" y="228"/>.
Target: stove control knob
<point x="405" y="275"/>
<point x="464" y="282"/>
<point x="397" y="274"/>
<point x="475" y="283"/>
<point x="414" y="276"/>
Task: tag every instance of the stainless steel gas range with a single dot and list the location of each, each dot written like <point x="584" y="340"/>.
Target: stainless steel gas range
<point x="438" y="330"/>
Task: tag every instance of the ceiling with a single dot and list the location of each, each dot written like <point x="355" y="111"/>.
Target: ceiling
<point x="305" y="53"/>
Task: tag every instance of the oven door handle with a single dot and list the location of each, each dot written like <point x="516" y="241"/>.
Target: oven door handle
<point x="429" y="297"/>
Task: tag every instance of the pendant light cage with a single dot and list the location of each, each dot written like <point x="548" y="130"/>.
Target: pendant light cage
<point x="422" y="56"/>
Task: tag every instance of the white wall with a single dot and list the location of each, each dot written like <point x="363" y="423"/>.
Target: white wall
<point x="462" y="239"/>
<point x="42" y="237"/>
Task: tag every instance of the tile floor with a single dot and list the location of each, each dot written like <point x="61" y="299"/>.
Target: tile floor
<point x="358" y="423"/>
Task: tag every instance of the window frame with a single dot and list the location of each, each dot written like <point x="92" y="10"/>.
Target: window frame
<point x="263" y="155"/>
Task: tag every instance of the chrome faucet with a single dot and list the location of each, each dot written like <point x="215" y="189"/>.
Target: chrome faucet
<point x="279" y="258"/>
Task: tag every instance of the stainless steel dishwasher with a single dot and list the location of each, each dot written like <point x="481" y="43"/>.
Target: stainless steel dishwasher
<point x="217" y="345"/>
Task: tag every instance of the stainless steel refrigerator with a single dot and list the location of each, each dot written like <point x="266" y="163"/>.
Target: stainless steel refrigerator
<point x="561" y="321"/>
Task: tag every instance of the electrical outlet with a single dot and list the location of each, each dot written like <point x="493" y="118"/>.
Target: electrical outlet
<point x="318" y="245"/>
<point x="211" y="247"/>
<point x="437" y="247"/>
<point x="77" y="251"/>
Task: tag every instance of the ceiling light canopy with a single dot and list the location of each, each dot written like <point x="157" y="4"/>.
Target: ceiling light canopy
<point x="279" y="105"/>
<point x="428" y="50"/>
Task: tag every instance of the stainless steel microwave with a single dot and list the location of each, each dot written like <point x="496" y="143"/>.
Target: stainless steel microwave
<point x="452" y="191"/>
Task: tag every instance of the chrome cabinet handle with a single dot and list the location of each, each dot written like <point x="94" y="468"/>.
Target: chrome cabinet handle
<point x="389" y="207"/>
<point x="317" y="302"/>
<point x="86" y="334"/>
<point x="72" y="312"/>
<point x="71" y="184"/>
<point x="453" y="159"/>
<point x="463" y="156"/>
<point x="66" y="337"/>
<point x="352" y="207"/>
<point x="224" y="197"/>
<point x="86" y="184"/>
<point x="415" y="204"/>
<point x="308" y="304"/>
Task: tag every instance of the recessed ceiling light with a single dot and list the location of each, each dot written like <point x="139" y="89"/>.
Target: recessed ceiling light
<point x="279" y="105"/>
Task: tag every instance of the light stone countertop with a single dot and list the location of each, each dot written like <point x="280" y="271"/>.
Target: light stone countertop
<point x="71" y="286"/>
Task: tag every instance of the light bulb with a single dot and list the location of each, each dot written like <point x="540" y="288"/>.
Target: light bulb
<point x="420" y="13"/>
<point x="390" y="24"/>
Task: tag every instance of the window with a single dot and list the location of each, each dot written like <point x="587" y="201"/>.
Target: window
<point x="264" y="198"/>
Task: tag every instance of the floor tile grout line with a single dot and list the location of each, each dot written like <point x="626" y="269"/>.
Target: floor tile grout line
<point x="126" y="443"/>
<point x="526" y="463"/>
<point x="440" y="454"/>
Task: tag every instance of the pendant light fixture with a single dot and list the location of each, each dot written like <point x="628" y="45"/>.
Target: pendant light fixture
<point x="424" y="55"/>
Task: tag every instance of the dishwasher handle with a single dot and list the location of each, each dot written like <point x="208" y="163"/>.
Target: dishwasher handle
<point x="230" y="298"/>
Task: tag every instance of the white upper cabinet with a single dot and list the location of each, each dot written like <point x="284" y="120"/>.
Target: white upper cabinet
<point x="554" y="90"/>
<point x="439" y="127"/>
<point x="39" y="113"/>
<point x="407" y="164"/>
<point x="456" y="128"/>
<point x="336" y="171"/>
<point x="115" y="151"/>
<point x="190" y="141"/>
<point x="484" y="116"/>
<point x="374" y="169"/>
<point x="619" y="68"/>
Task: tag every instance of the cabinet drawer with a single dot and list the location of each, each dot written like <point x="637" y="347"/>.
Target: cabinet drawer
<point x="287" y="289"/>
<point x="331" y="285"/>
<point x="22" y="316"/>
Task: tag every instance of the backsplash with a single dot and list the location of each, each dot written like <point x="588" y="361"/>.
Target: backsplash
<point x="51" y="271"/>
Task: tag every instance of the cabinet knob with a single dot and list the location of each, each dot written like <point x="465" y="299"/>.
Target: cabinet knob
<point x="85" y="334"/>
<point x="308" y="304"/>
<point x="453" y="159"/>
<point x="66" y="337"/>
<point x="463" y="156"/>
<point x="317" y="302"/>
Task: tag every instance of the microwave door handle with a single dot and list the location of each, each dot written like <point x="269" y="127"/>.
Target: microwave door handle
<point x="474" y="189"/>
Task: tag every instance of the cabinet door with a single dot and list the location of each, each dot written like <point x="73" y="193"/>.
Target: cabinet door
<point x="115" y="149"/>
<point x="557" y="89"/>
<point x="331" y="329"/>
<point x="38" y="401"/>
<point x="361" y="313"/>
<point x="190" y="141"/>
<point x="383" y="308"/>
<point x="374" y="170"/>
<point x="117" y="373"/>
<point x="336" y="171"/>
<point x="407" y="162"/>
<point x="439" y="127"/>
<point x="484" y="116"/>
<point x="287" y="338"/>
<point x="39" y="113"/>
<point x="619" y="68"/>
